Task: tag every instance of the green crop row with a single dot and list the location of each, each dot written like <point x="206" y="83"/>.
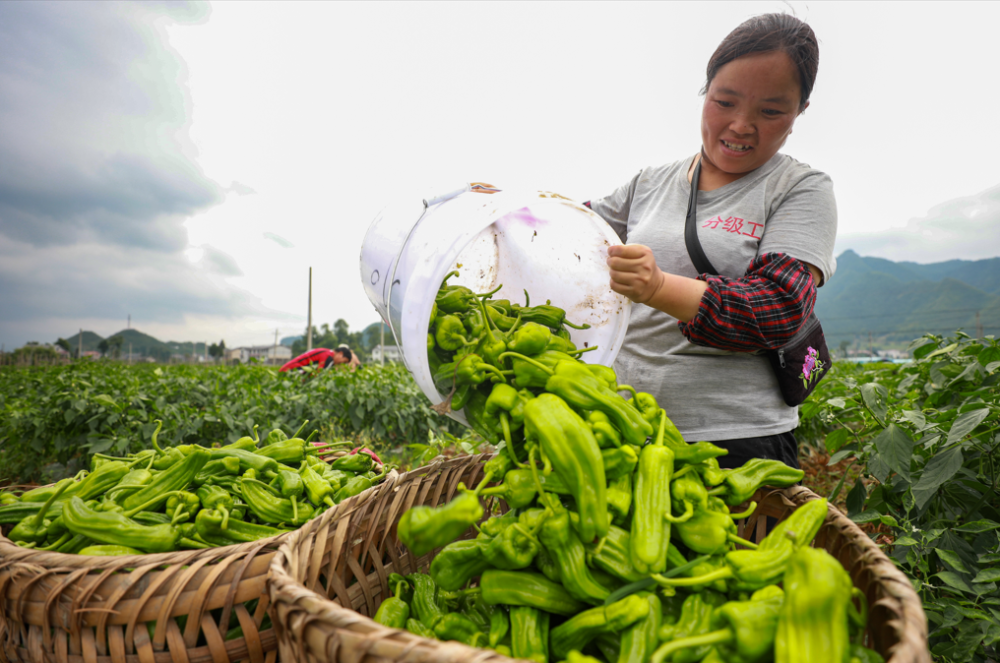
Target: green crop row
<point x="57" y="417"/>
<point x="926" y="436"/>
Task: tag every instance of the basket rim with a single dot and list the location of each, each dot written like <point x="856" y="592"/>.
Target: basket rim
<point x="912" y="644"/>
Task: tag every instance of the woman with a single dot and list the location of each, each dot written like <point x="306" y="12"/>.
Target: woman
<point x="766" y="222"/>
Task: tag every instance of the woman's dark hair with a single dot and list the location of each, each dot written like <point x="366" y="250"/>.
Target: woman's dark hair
<point x="767" y="33"/>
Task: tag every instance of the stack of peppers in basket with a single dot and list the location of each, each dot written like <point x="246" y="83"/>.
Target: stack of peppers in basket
<point x="188" y="496"/>
<point x="619" y="544"/>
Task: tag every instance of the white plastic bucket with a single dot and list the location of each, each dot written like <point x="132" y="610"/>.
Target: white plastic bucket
<point x="537" y="241"/>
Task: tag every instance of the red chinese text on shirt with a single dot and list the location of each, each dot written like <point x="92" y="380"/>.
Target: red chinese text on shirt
<point x="734" y="225"/>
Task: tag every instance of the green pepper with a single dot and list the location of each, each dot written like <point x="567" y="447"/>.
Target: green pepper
<point x="742" y="482"/>
<point x="529" y="633"/>
<point x="527" y="588"/>
<point x="695" y="620"/>
<point x="424" y="528"/>
<point x="491" y="345"/>
<point x="620" y="498"/>
<point x="709" y="529"/>
<point x="424" y="605"/>
<point x="214" y="497"/>
<point x="741" y="632"/>
<point x="530" y="339"/>
<point x="469" y="369"/>
<point x="514" y="548"/>
<point x="357" y="485"/>
<point x="456" y="298"/>
<point x="176" y="478"/>
<point x="450" y="333"/>
<point x="503" y="322"/>
<point x="318" y="490"/>
<point x="208" y="525"/>
<point x="577" y="631"/>
<point x="181" y="504"/>
<point x="458" y="563"/>
<point x="754" y="569"/>
<point x="35" y="529"/>
<point x="519" y="489"/>
<point x="394" y="611"/>
<point x="115" y="529"/>
<point x="271" y="508"/>
<point x="418" y="629"/>
<point x="458" y="627"/>
<point x="566" y="548"/>
<point x="357" y="463"/>
<point x="474" y="322"/>
<point x="814" y="620"/>
<point x="619" y="462"/>
<point x="605" y="374"/>
<point x="560" y="344"/>
<point x="604" y="431"/>
<point x="164" y="459"/>
<point x="291" y="487"/>
<point x="571" y="448"/>
<point x="228" y="466"/>
<point x="614" y="553"/>
<point x="295" y="450"/>
<point x="550" y="316"/>
<point x="710" y="472"/>
<point x="109" y="551"/>
<point x="534" y="372"/>
<point x="493" y="527"/>
<point x="640" y="640"/>
<point x="650" y="536"/>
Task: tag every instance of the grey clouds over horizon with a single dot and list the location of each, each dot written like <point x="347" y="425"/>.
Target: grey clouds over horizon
<point x="97" y="172"/>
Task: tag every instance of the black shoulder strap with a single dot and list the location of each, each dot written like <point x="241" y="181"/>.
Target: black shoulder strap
<point x="695" y="252"/>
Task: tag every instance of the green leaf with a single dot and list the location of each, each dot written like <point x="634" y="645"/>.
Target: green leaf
<point x="856" y="498"/>
<point x="896" y="449"/>
<point x="965" y="423"/>
<point x="989" y="355"/>
<point x="905" y="541"/>
<point x="106" y="400"/>
<point x="845" y="452"/>
<point x="978" y="526"/>
<point x="837" y="438"/>
<point x="951" y="559"/>
<point x="954" y="581"/>
<point x="914" y="417"/>
<point x="990" y="558"/>
<point x="941" y="351"/>
<point x="939" y="470"/>
<point x="987" y="575"/>
<point x="875" y="398"/>
<point x="837" y="402"/>
<point x="889" y="520"/>
<point x="869" y="516"/>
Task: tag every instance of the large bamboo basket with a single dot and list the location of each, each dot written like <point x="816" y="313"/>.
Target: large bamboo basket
<point x="79" y="609"/>
<point x="330" y="576"/>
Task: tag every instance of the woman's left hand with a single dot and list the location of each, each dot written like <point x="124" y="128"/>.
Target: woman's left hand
<point x="634" y="272"/>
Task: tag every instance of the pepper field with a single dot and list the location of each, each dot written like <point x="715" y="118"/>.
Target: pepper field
<point x="909" y="451"/>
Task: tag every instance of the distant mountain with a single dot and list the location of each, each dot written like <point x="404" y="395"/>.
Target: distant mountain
<point x="289" y="341"/>
<point x="898" y="301"/>
<point x="90" y="341"/>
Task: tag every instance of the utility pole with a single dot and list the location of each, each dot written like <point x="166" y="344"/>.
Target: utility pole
<point x="79" y="345"/>
<point x="381" y="347"/>
<point x="274" y="352"/>
<point x="129" y="324"/>
<point x="979" y="326"/>
<point x="309" y="324"/>
<point x="129" y="354"/>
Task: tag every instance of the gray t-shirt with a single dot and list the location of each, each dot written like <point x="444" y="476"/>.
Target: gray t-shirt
<point x="784" y="206"/>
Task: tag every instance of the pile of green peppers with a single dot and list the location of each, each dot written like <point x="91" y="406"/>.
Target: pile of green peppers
<point x="188" y="496"/>
<point x="619" y="544"/>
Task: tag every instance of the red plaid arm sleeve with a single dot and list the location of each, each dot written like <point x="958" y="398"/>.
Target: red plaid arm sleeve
<point x="761" y="310"/>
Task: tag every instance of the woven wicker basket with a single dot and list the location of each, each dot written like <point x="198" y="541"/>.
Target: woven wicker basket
<point x="81" y="609"/>
<point x="349" y="559"/>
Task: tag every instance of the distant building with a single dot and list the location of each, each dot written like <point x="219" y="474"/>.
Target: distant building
<point x="392" y="353"/>
<point x="264" y="353"/>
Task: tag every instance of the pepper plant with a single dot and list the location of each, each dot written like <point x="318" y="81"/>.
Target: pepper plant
<point x="926" y="435"/>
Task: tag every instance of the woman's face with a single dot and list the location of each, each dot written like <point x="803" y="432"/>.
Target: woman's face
<point x="749" y="110"/>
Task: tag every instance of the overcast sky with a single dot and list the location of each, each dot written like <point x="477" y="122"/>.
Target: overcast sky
<point x="186" y="164"/>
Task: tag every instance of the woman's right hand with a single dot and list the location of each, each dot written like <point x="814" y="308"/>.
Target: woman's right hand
<point x="634" y="273"/>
